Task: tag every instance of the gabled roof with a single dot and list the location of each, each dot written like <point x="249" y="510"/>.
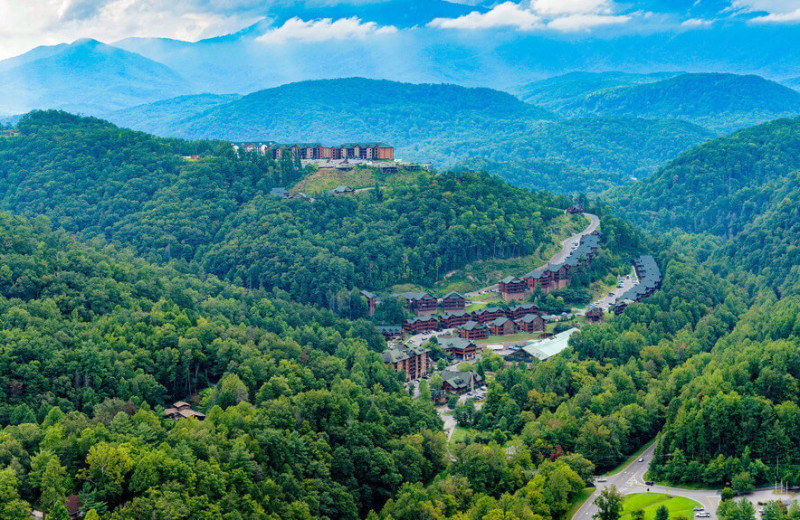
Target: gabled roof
<point x="389" y="329"/>
<point x="455" y="343"/>
<point x="510" y="279"/>
<point x="472" y="325"/>
<point x="455" y="314"/>
<point x="460" y="379"/>
<point x="499" y="322"/>
<point x="529" y="318"/>
<point x="416" y="296"/>
<point x="367" y="294"/>
<point x="453" y="294"/>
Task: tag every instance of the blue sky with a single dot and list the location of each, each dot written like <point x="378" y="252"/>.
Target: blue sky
<point x="29" y="23"/>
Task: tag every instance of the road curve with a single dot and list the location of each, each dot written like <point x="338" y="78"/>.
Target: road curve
<point x="566" y="248"/>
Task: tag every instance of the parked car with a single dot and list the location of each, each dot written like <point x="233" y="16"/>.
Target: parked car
<point x="601" y="479"/>
<point x="703" y="515"/>
<point x="698" y="508"/>
<point x="648" y="483"/>
<point x="641" y="459"/>
<point x="760" y="510"/>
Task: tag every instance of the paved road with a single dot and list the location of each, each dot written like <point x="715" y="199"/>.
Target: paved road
<point x="631" y="480"/>
<point x="574" y="240"/>
<point x="566" y="248"/>
<point x="604" y="303"/>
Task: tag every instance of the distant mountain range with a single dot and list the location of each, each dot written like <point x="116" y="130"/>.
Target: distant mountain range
<point x="720" y="102"/>
<point x="86" y="77"/>
<point x="611" y="126"/>
<point x="559" y="92"/>
<point x="439" y="124"/>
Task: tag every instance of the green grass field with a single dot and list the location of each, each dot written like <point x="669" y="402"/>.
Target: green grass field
<point x="649" y="502"/>
<point x="459" y="434"/>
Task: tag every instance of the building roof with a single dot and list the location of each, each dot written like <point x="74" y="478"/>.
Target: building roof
<point x="279" y="192"/>
<point x="368" y="295"/>
<point x="529" y="318"/>
<point x="472" y="325"/>
<point x="456" y="314"/>
<point x="413" y="296"/>
<point x="389" y="329"/>
<point x="453" y="294"/>
<point x="455" y="343"/>
<point x="547" y="348"/>
<point x="459" y="380"/>
<point x="397" y="354"/>
<point x="499" y="322"/>
<point x="510" y="279"/>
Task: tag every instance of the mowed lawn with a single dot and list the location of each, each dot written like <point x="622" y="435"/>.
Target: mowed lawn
<point x="649" y="502"/>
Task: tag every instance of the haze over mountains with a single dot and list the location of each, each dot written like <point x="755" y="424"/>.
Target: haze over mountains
<point x="85" y="76"/>
<point x="606" y="127"/>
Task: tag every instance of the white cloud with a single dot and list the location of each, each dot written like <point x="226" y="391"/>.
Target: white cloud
<point x="768" y="6"/>
<point x="571" y="7"/>
<point x="296" y="29"/>
<point x="507" y="14"/>
<point x="585" y="22"/>
<point x="790" y="17"/>
<point x="555" y="15"/>
<point x="26" y="24"/>
<point x="696" y="23"/>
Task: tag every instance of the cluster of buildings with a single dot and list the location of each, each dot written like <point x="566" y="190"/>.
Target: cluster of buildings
<point x="482" y="323"/>
<point x="553" y="276"/>
<point x="319" y="152"/>
<point x="416" y="364"/>
<point x="649" y="280"/>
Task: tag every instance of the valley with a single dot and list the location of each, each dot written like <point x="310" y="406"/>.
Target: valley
<point x="472" y="282"/>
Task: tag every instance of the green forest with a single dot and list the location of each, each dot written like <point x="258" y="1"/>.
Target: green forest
<point x="215" y="215"/>
<point x="132" y="278"/>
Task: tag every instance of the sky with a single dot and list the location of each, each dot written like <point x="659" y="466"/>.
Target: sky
<point x="25" y="24"/>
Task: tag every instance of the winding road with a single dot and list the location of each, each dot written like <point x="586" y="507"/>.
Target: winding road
<point x="566" y="247"/>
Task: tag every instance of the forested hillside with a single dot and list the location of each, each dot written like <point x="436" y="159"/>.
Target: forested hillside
<point x="717" y="187"/>
<point x="430" y="124"/>
<point x="303" y="420"/>
<point x="216" y="213"/>
<point x="720" y="102"/>
<point x="566" y="90"/>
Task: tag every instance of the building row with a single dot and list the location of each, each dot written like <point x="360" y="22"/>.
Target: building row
<point x="414" y="361"/>
<point x="424" y="304"/>
<point x="458" y="318"/>
<point x="552" y="276"/>
<point x="649" y="276"/>
<point x="317" y="151"/>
